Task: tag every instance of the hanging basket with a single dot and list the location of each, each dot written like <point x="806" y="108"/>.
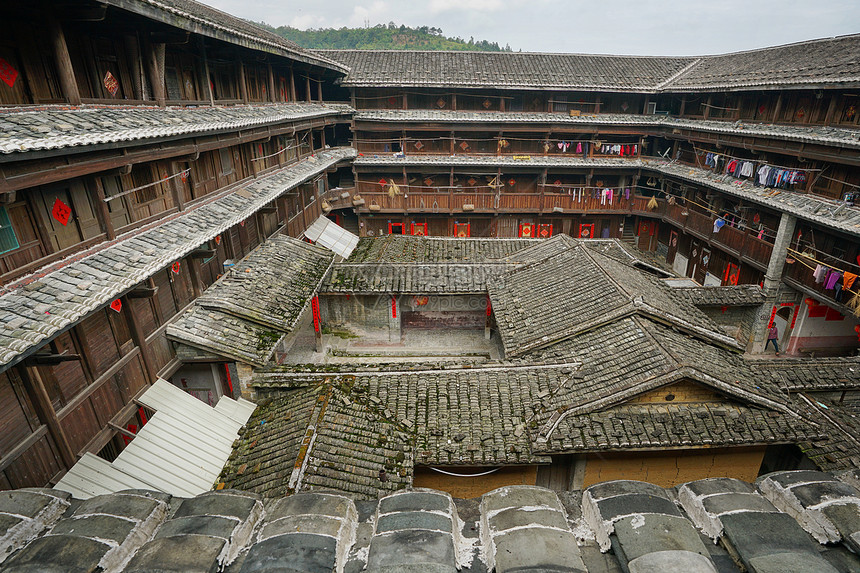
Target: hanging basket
<point x="557" y="209"/>
<point x="325" y="206"/>
<point x="468" y="207"/>
<point x="357" y="200"/>
<point x="652" y="203"/>
<point x="375" y="207"/>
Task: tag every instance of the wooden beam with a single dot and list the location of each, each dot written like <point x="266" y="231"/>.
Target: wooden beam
<point x="142" y="291"/>
<point x="308" y="88"/>
<point x="207" y="79"/>
<point x="45" y="359"/>
<point x="202" y="253"/>
<point x="94" y="186"/>
<point x="35" y="388"/>
<point x="139" y="339"/>
<point x="243" y="82"/>
<point x="273" y="96"/>
<point x="292" y="85"/>
<point x="64" y="63"/>
<point x="194" y="272"/>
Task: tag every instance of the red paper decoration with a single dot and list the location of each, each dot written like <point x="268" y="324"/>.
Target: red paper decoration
<point x="61" y="212"/>
<point x="111" y="85"/>
<point x="218" y="240"/>
<point x="175" y="268"/>
<point x="116" y="305"/>
<point x="383" y="182"/>
<point x="7" y="73"/>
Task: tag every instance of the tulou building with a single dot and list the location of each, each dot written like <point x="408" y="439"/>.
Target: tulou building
<point x="422" y="311"/>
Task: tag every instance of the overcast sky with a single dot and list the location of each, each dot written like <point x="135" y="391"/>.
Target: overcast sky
<point x="648" y="27"/>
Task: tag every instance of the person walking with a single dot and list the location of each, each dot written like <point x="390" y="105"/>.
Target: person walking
<point x="772" y="335"/>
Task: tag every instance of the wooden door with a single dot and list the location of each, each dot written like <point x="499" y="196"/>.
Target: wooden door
<point x="61" y="233"/>
<point x="673" y="247"/>
<point x="702" y="266"/>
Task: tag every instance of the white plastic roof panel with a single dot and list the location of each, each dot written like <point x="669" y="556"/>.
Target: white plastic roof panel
<point x="332" y="236"/>
<point x="93" y="476"/>
<point x="179" y="451"/>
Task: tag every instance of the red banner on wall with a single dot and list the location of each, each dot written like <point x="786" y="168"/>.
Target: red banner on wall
<point x="7" y="73"/>
<point x="315" y="309"/>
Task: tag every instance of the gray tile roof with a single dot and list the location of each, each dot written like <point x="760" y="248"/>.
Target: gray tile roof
<point x="634" y="355"/>
<point x="408" y="68"/>
<point x="225" y="335"/>
<point x="36" y="309"/>
<point x="271" y="286"/>
<point x="826" y="135"/>
<point x="408" y="249"/>
<point x="576" y="289"/>
<point x="822" y="62"/>
<point x="203" y="19"/>
<point x="421" y="278"/>
<point x="514" y="528"/>
<point x="738" y="295"/>
<point x="676" y="426"/>
<point x="246" y="313"/>
<point x="824" y="212"/>
<point x="811" y="375"/>
<point x="56" y="128"/>
<point x="841" y="449"/>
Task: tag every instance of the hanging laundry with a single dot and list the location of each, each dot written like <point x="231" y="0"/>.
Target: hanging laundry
<point x="579" y="147"/>
<point x="848" y="279"/>
<point x="718" y="224"/>
<point x="747" y="169"/>
<point x="837" y="292"/>
<point x="627" y="193"/>
<point x="833" y="278"/>
<point x="819" y="273"/>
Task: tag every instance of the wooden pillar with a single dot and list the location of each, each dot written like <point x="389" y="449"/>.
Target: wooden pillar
<point x="319" y="90"/>
<point x="322" y="137"/>
<point x="273" y="95"/>
<point x="35" y="388"/>
<point x="777" y="108"/>
<point x="501" y="103"/>
<point x="488" y="321"/>
<point x="206" y="77"/>
<point x="292" y="85"/>
<point x="243" y="82"/>
<point x="683" y="104"/>
<point x="707" y="111"/>
<point x="308" y="88"/>
<point x="139" y="339"/>
<point x="96" y="188"/>
<point x="542" y="181"/>
<point x="831" y="109"/>
<point x="64" y="63"/>
<point x="194" y="272"/>
<point x="154" y="56"/>
<point x="405" y="101"/>
<point x="177" y="191"/>
<point x="454" y="101"/>
<point x="352" y="97"/>
<point x="597" y="103"/>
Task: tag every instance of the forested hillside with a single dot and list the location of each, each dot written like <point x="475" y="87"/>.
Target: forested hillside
<point x="381" y="37"/>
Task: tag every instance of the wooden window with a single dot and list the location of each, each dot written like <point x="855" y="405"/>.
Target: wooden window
<point x="226" y="161"/>
<point x="141" y="176"/>
<point x="8" y="240"/>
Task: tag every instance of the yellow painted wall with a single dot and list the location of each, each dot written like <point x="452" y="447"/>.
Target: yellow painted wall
<point x="467" y="487"/>
<point x="684" y="392"/>
<point x="670" y="468"/>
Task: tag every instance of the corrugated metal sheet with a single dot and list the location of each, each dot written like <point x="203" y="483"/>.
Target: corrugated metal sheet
<point x="180" y="450"/>
<point x="332" y="236"/>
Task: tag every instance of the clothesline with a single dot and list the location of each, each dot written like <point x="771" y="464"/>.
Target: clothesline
<point x="148" y="185"/>
<point x="813" y="259"/>
<point x="856" y="293"/>
<point x="699" y="152"/>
